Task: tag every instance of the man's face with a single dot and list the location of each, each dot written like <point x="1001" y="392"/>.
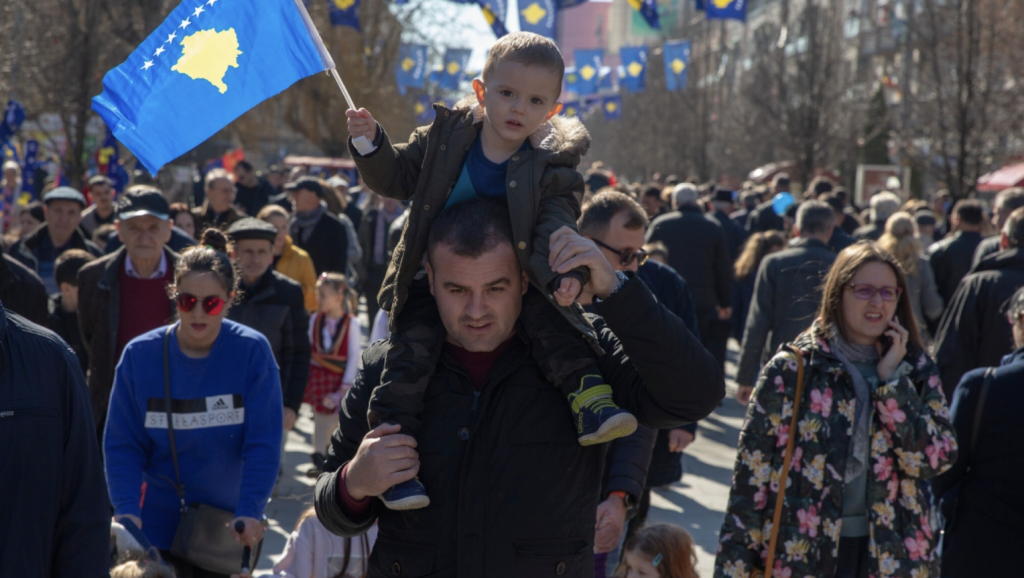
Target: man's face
<point x="242" y="175"/>
<point x="926" y="232"/>
<point x="275" y="179"/>
<point x="651" y="205"/>
<point x="304" y="200"/>
<point x="144" y="236"/>
<point x="62" y="217"/>
<point x="254" y="257"/>
<point x="517" y="99"/>
<point x="622" y="239"/>
<point x="11" y="175"/>
<point x="102" y="195"/>
<point x="479" y="299"/>
<point x="220" y="193"/>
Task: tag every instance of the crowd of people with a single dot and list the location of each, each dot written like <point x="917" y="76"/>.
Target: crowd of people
<point x="538" y="348"/>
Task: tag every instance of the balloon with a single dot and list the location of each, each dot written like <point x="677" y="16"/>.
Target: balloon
<point x="781" y="202"/>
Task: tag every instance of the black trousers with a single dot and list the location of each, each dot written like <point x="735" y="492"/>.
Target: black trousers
<point x="714" y="334"/>
<point x="853" y="559"/>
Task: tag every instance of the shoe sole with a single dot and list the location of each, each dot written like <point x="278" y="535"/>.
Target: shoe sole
<point x="617" y="427"/>
<point x="410" y="503"/>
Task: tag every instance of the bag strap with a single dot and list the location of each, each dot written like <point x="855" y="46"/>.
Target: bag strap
<point x="170" y="417"/>
<point x="990" y="375"/>
<point x="786" y="460"/>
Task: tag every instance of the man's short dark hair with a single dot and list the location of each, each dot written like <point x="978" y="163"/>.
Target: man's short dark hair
<point x="651" y="191"/>
<point x="1014" y="228"/>
<point x="599" y="211"/>
<point x="969" y="211"/>
<point x="65" y="268"/>
<point x="781" y="182"/>
<point x="528" y="49"/>
<point x="1010" y="199"/>
<point x="814" y="218"/>
<point x="820" y="186"/>
<point x="471" y="228"/>
<point x="244" y="165"/>
<point x="832" y="200"/>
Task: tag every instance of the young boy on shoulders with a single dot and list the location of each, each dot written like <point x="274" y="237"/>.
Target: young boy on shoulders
<point x="505" y="143"/>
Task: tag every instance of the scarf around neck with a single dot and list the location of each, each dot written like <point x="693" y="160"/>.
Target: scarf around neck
<point x="306" y="220"/>
<point x="850" y="354"/>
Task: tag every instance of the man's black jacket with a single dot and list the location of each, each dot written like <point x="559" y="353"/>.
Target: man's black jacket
<point x="519" y="496"/>
<point x="275" y="308"/>
<point x="699" y="252"/>
<point x="988" y="246"/>
<point x="56" y="513"/>
<point x="973" y="331"/>
<point x="22" y="291"/>
<point x="951" y="260"/>
<point x="735" y="235"/>
<point x="25" y="250"/>
<point x="327" y="245"/>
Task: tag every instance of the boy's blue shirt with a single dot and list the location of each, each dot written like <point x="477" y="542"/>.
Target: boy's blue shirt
<point x="480" y="177"/>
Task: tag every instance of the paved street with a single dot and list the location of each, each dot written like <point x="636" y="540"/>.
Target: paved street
<point x="696" y="503"/>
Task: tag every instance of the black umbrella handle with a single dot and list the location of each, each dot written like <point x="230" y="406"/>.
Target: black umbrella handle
<point x="247" y="551"/>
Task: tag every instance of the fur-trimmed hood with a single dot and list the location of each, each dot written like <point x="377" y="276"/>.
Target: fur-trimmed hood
<point x="559" y="134"/>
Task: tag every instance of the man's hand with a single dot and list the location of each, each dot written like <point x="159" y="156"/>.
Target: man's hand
<point x="724" y="313"/>
<point x="568" y="250"/>
<point x="361" y="123"/>
<point x="384" y="458"/>
<point x="251" y="536"/>
<point x="568" y="291"/>
<point x="611" y="520"/>
<point x="289" y="418"/>
<point x="678" y="439"/>
<point x="743" y="393"/>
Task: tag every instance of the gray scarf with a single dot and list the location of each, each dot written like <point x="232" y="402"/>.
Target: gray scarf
<point x="849" y="353"/>
<point x="305" y="221"/>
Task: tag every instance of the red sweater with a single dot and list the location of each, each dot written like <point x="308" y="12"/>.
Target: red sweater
<point x="144" y="306"/>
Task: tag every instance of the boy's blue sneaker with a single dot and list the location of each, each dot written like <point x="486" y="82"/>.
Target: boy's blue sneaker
<point x="598" y="419"/>
<point x="409" y="495"/>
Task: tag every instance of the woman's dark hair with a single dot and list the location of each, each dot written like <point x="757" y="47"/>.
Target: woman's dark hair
<point x="754" y="251"/>
<point x="177" y="209"/>
<point x="848" y="262"/>
<point x="209" y="256"/>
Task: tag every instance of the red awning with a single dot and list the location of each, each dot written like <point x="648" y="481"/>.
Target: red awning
<point x="1004" y="178"/>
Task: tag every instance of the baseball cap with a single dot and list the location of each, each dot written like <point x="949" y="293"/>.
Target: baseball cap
<point x="143" y="201"/>
<point x="308" y="183"/>
<point x="250" y="228"/>
<point x="64" y="194"/>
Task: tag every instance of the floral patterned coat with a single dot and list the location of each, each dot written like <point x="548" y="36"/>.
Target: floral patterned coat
<point x="911" y="440"/>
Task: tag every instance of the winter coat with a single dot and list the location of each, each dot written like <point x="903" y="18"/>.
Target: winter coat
<point x="25" y="250"/>
<point x="274" y="307"/>
<point x="912" y="440"/>
<point x="65" y="325"/>
<point x="973" y="331"/>
<point x="735" y="235"/>
<point x="980" y="494"/>
<point x="205" y="218"/>
<point x="512" y="492"/>
<point x="56" y="514"/>
<point x="699" y="252"/>
<point x="99" y="312"/>
<point x="839" y="240"/>
<point x="951" y="260"/>
<point x="786" y="299"/>
<point x="763" y="219"/>
<point x="22" y="291"/>
<point x="544" y="192"/>
<point x="869" y="232"/>
<point x="295" y="264"/>
<point x="988" y="246"/>
<point x="327" y="244"/>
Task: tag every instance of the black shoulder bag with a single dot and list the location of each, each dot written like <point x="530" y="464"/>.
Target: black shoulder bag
<point x="203" y="537"/>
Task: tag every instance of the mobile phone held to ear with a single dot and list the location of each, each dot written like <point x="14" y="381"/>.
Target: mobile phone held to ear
<point x="886" y="340"/>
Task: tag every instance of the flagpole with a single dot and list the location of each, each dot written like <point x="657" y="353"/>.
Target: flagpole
<point x="362" y="144"/>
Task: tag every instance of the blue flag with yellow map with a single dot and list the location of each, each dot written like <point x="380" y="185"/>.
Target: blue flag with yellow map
<point x="494" y="13"/>
<point x="455" y="60"/>
<point x="411" y="68"/>
<point x="572" y="80"/>
<point x="612" y="106"/>
<point x="571" y="108"/>
<point x="726" y="9"/>
<point x="208" y="63"/>
<point x="634" y="68"/>
<point x="677" y="64"/>
<point x="588" y="66"/>
<point x="344" y="13"/>
<point x="538" y="16"/>
<point x="424" y="109"/>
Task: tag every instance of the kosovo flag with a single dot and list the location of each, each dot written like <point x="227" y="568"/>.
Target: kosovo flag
<point x="648" y="9"/>
<point x="572" y="80"/>
<point x="11" y="122"/>
<point x="571" y="108"/>
<point x="699" y="5"/>
<point x="344" y="12"/>
<point x="28" y="169"/>
<point x="538" y="16"/>
<point x="605" y="82"/>
<point x="455" y="60"/>
<point x="588" y="67"/>
<point x="411" y="69"/>
<point x="634" y="68"/>
<point x="424" y="109"/>
<point x="677" y="63"/>
<point x="208" y="63"/>
<point x="494" y="12"/>
<point x="612" y="106"/>
<point x="726" y="9"/>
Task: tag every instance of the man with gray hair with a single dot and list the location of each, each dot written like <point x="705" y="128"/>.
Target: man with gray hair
<point x="699" y="252"/>
<point x="1007" y="201"/>
<point x="786" y="292"/>
<point x="883" y="206"/>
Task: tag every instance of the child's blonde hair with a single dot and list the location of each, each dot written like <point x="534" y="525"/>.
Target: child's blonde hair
<point x="669" y="548"/>
<point x="339" y="283"/>
<point x="528" y="49"/>
<point x="149" y="567"/>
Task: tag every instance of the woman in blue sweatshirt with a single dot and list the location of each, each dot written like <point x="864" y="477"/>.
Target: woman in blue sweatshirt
<point x="226" y="401"/>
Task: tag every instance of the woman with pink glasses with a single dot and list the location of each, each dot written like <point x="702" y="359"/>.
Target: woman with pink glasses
<point x="870" y="427"/>
<point x="217" y="386"/>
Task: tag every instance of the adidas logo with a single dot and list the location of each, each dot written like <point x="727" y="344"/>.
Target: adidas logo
<point x="219" y="405"/>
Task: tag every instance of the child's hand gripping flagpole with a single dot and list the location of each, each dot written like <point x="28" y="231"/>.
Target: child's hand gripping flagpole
<point x="362" y="144"/>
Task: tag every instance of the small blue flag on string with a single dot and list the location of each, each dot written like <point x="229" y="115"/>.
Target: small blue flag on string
<point x="572" y="80"/>
<point x="588" y="66"/>
<point x="28" y="169"/>
<point x="726" y="9"/>
<point x="344" y="12"/>
<point x="571" y="108"/>
<point x="455" y="60"/>
<point x="677" y="64"/>
<point x="538" y="16"/>
<point x="634" y="68"/>
<point x="207" y="64"/>
<point x="424" y="109"/>
<point x="612" y="106"/>
<point x="605" y="81"/>
<point x="411" y="68"/>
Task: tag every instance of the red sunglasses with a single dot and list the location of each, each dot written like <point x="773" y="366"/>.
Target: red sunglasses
<point x="186" y="302"/>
